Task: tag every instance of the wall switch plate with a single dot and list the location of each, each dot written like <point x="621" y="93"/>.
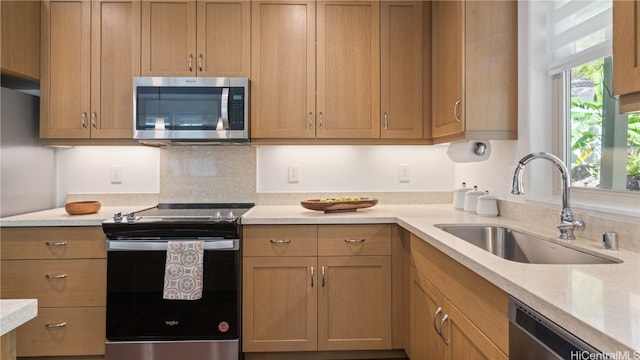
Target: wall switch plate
<point x="293" y="174"/>
<point x="117" y="172"/>
<point x="404" y="175"/>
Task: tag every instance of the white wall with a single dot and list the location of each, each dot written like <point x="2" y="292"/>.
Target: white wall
<point x="354" y="168"/>
<point x="87" y="170"/>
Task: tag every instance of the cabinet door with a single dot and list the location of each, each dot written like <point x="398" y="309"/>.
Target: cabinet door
<point x="223" y="38"/>
<point x="348" y="93"/>
<point x="283" y="69"/>
<point x="279" y="304"/>
<point x="448" y="109"/>
<point x="626" y="52"/>
<point x="115" y="60"/>
<point x="169" y="38"/>
<point x="21" y="38"/>
<point x="354" y="303"/>
<point x="465" y="341"/>
<point x="424" y="302"/>
<point x="401" y="69"/>
<point x="65" y="80"/>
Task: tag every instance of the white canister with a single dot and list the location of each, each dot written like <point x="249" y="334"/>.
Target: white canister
<point x="487" y="205"/>
<point x="458" y="196"/>
<point x="471" y="199"/>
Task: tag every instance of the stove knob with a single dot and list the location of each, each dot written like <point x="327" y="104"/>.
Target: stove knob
<point x="230" y="216"/>
<point x="217" y="216"/>
<point x="117" y="217"/>
<point x="131" y="217"/>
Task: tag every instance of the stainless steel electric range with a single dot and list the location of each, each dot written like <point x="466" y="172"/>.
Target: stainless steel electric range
<point x="141" y="323"/>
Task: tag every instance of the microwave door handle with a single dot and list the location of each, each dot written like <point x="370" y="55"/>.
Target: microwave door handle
<point x="223" y="120"/>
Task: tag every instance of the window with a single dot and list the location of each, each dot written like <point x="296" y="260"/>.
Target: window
<point x="602" y="147"/>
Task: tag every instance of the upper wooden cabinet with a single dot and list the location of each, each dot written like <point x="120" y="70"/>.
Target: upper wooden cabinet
<point x="90" y="54"/>
<point x="475" y="70"/>
<point x="21" y="38"/>
<point x="401" y="67"/>
<point x="196" y="38"/>
<point x="626" y="53"/>
<point x="298" y="93"/>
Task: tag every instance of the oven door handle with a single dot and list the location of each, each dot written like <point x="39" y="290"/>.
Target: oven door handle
<point x="124" y="245"/>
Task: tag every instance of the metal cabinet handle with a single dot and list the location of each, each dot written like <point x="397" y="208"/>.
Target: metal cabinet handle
<point x="94" y="118"/>
<point x="455" y="110"/>
<point x="322" y="271"/>
<point x="354" y="241"/>
<point x="386" y="121"/>
<point x="435" y="319"/>
<point x="285" y="241"/>
<point x="84" y="120"/>
<point x="200" y="62"/>
<point x="190" y="62"/>
<point x="58" y="325"/>
<point x="320" y="123"/>
<point x="311" y="276"/>
<point x="61" y="276"/>
<point x="444" y="319"/>
<point x="310" y="120"/>
<point x="58" y="243"/>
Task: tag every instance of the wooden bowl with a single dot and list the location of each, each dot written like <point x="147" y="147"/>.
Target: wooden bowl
<point x="82" y="207"/>
<point x="338" y="206"/>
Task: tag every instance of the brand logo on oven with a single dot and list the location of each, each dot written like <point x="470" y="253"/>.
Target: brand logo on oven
<point x="171" y="322"/>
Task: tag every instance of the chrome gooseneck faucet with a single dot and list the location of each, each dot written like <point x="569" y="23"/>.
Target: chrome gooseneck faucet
<point x="567" y="222"/>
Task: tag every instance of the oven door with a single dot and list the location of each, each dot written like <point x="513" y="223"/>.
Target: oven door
<point x="136" y="310"/>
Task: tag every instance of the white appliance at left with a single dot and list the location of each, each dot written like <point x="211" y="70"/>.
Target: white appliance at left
<point x="27" y="169"/>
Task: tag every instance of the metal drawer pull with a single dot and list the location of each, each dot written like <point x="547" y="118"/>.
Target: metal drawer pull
<point x="58" y="325"/>
<point x="444" y="319"/>
<point x="320" y="124"/>
<point x="310" y="120"/>
<point x="84" y="120"/>
<point x="435" y="319"/>
<point x="354" y="241"/>
<point x="286" y="241"/>
<point x="322" y="271"/>
<point x="94" y="117"/>
<point x="61" y="276"/>
<point x="455" y="110"/>
<point x="386" y="121"/>
<point x="312" y="276"/>
<point x="190" y="62"/>
<point x="200" y="63"/>
<point x="57" y="243"/>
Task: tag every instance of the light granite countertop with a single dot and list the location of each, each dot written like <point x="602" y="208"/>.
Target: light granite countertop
<point x="59" y="217"/>
<point x="598" y="303"/>
<point x="15" y="312"/>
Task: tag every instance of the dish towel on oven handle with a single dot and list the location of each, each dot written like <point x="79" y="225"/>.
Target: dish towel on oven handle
<point x="183" y="270"/>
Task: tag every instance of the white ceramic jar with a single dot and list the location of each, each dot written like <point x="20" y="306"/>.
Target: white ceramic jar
<point x="458" y="196"/>
<point x="471" y="199"/>
<point x="487" y="205"/>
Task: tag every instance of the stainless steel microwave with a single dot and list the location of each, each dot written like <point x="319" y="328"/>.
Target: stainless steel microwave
<point x="191" y="109"/>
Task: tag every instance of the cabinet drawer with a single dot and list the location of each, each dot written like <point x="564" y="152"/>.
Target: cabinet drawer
<point x="82" y="334"/>
<point x="280" y="240"/>
<point x="344" y="240"/>
<point x="53" y="243"/>
<point x="56" y="282"/>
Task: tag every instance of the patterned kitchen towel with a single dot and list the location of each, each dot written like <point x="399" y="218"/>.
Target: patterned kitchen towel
<point x="183" y="270"/>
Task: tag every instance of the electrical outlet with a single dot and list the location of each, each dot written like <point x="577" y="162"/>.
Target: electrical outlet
<point x="404" y="175"/>
<point x="293" y="174"/>
<point x="117" y="172"/>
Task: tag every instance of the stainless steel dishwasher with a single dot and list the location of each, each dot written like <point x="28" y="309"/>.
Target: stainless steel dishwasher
<point x="533" y="336"/>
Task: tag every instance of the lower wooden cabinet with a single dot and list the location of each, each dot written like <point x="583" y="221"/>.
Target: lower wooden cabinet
<point x="65" y="269"/>
<point x="309" y="302"/>
<point x="439" y="329"/>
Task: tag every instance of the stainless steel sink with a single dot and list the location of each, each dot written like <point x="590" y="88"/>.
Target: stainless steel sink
<point x="517" y="246"/>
